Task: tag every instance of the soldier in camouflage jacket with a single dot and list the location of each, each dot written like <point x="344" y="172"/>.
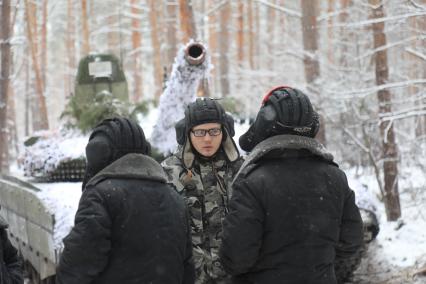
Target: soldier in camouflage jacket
<point x="202" y="171"/>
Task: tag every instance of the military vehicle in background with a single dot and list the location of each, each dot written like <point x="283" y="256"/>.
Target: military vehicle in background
<point x="100" y="88"/>
<point x="97" y="73"/>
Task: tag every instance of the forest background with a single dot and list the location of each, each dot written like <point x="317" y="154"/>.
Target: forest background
<point x="362" y="62"/>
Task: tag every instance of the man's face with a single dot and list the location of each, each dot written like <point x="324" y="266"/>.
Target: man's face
<point x="206" y="138"/>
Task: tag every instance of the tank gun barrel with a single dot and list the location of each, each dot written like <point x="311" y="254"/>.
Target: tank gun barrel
<point x="195" y="53"/>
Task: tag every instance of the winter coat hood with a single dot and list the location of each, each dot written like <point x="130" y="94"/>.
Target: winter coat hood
<point x="280" y="145"/>
<point x="132" y="166"/>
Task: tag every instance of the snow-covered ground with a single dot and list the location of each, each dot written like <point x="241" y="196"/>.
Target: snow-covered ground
<point x="399" y="251"/>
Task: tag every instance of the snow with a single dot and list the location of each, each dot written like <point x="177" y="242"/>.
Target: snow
<point x="44" y="156"/>
<point x="400" y="247"/>
<point x="147" y="122"/>
<point x="180" y="90"/>
<point x="61" y="199"/>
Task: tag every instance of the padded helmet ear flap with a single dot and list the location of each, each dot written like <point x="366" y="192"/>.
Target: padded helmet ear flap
<point x="315" y="124"/>
<point x="181" y="132"/>
<point x="229" y="124"/>
<point x="263" y="127"/>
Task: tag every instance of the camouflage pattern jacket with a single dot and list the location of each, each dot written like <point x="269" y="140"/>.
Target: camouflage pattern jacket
<point x="207" y="190"/>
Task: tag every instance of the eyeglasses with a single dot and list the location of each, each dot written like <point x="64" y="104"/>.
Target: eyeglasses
<point x="203" y="132"/>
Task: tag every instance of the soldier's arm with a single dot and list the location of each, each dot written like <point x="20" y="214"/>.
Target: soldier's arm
<point x="189" y="269"/>
<point x="173" y="169"/>
<point x="243" y="230"/>
<point x="351" y="234"/>
<point x="14" y="269"/>
<point x="87" y="246"/>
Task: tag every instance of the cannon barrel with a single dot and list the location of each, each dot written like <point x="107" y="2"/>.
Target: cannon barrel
<point x="195" y="53"/>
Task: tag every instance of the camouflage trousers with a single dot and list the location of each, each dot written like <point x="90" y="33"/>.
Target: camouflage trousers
<point x="208" y="269"/>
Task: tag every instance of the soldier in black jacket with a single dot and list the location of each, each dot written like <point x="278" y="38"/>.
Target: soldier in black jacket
<point x="11" y="271"/>
<point x="130" y="227"/>
<point x="292" y="212"/>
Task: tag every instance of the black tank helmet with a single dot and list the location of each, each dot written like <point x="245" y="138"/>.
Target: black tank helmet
<point x="110" y="140"/>
<point x="205" y="110"/>
<point x="284" y="110"/>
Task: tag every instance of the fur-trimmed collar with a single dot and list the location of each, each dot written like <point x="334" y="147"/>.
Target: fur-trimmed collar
<point x="277" y="146"/>
<point x="132" y="166"/>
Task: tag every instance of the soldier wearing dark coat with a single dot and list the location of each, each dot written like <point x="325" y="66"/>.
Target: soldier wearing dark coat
<point x="130" y="227"/>
<point x="292" y="212"/>
<point x="202" y="171"/>
<point x="11" y="270"/>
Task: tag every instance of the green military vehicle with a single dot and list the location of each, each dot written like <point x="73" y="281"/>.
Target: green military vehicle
<point x="100" y="83"/>
<point x="97" y="73"/>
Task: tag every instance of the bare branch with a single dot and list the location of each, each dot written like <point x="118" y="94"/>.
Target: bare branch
<point x="379" y="20"/>
<point x="369" y="91"/>
<point x="416" y="53"/>
<point x="390" y="45"/>
<point x="280" y="8"/>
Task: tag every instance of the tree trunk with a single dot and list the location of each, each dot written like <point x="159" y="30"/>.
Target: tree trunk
<point x="136" y="46"/>
<point x="310" y="59"/>
<point x="213" y="46"/>
<point x="27" y="95"/>
<point x="44" y="43"/>
<point x="343" y="18"/>
<point x="240" y="33"/>
<point x="85" y="28"/>
<point x="42" y="119"/>
<point x="225" y="14"/>
<point x="70" y="49"/>
<point x="270" y="59"/>
<point x="258" y="36"/>
<point x="4" y="84"/>
<point x="187" y="22"/>
<point x="250" y="34"/>
<point x="390" y="153"/>
<point x="417" y="69"/>
<point x="112" y="39"/>
<point x="158" y="74"/>
<point x="171" y="33"/>
<point x="330" y="30"/>
<point x="11" y="117"/>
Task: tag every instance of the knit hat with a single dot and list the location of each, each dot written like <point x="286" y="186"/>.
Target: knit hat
<point x="111" y="140"/>
<point x="284" y="110"/>
<point x="205" y="110"/>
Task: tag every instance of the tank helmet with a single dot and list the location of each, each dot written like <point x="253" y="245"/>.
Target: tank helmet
<point x="284" y="110"/>
<point x="110" y="140"/>
<point x="205" y="110"/>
